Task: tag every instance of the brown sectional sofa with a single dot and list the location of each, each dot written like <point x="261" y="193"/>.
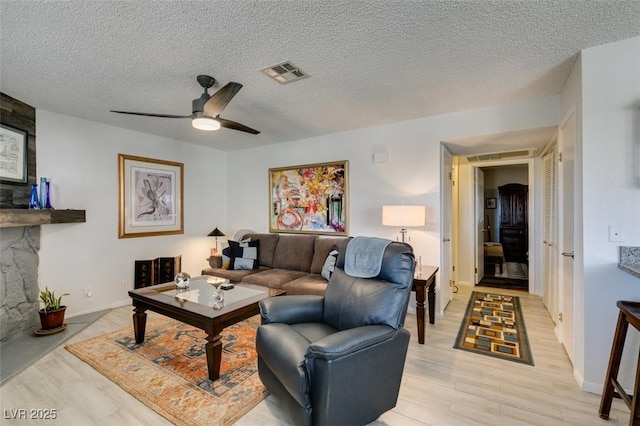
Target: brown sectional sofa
<point x="290" y="262"/>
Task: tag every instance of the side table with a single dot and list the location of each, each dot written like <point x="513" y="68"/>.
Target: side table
<point x="425" y="278"/>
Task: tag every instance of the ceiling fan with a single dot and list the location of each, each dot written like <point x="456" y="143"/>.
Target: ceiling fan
<point x="207" y="108"/>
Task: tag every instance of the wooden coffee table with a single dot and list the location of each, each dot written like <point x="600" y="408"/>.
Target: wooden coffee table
<point x="194" y="307"/>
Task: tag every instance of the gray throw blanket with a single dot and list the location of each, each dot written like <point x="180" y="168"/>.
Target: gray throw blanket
<point x="363" y="258"/>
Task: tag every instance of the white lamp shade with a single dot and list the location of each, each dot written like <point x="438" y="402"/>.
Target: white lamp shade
<point x="205" y="123"/>
<point x="403" y="216"/>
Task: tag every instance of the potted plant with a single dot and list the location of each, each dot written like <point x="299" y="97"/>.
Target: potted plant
<point x="52" y="315"/>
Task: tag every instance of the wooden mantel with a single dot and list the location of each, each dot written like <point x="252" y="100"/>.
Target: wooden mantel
<point x="11" y="218"/>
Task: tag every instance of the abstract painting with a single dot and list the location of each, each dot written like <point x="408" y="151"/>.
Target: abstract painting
<point x="310" y="198"/>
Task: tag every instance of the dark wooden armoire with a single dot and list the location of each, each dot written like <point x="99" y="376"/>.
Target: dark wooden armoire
<point x="513" y="203"/>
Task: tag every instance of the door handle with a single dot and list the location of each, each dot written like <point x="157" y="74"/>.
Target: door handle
<point x="445" y="240"/>
<point x="567" y="254"/>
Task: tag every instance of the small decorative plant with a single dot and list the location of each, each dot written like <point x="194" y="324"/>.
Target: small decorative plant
<point x="49" y="299"/>
<point x="52" y="316"/>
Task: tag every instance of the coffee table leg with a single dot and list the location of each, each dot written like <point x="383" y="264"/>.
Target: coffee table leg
<point x="139" y="323"/>
<point x="213" y="348"/>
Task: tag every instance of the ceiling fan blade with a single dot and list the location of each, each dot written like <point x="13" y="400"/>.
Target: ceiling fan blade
<point x="236" y="126"/>
<point x="152" y="115"/>
<point x="221" y="99"/>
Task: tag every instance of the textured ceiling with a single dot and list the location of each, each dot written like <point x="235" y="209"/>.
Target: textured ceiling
<point x="371" y="62"/>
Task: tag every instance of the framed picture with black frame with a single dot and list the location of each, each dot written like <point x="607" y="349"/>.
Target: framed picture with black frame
<point x="13" y="154"/>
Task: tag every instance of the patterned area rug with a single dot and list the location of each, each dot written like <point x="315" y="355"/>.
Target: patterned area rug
<point x="493" y="325"/>
<point x="168" y="371"/>
<point x="514" y="270"/>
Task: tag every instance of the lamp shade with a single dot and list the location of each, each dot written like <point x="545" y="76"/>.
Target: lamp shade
<point x="403" y="216"/>
<point x="215" y="233"/>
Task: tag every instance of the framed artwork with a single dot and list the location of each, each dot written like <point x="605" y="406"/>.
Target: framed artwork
<point x="311" y="198"/>
<point x="13" y="154"/>
<point x="150" y="197"/>
<point x="491" y="203"/>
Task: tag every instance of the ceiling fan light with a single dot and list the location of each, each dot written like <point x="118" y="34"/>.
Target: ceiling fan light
<point x="205" y="123"/>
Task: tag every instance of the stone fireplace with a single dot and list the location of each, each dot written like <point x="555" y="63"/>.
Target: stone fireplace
<point x="19" y="292"/>
<point x="20" y="231"/>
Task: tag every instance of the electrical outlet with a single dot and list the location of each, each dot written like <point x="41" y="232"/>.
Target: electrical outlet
<point x="87" y="292"/>
<point x="125" y="283"/>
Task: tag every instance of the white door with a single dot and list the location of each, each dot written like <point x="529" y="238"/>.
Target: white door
<point x="550" y="241"/>
<point x="446" y="211"/>
<point x="480" y="229"/>
<point x="566" y="147"/>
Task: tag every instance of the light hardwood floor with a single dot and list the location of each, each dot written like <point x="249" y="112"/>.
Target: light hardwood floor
<point x="441" y="385"/>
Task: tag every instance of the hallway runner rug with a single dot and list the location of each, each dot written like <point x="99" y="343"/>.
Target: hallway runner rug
<point x="168" y="371"/>
<point x="493" y="325"/>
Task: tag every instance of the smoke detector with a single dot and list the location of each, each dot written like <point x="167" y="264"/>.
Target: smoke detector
<point x="285" y="72"/>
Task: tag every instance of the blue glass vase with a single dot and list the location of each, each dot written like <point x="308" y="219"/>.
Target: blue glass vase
<point x="34" y="202"/>
<point x="47" y="202"/>
<point x="43" y="184"/>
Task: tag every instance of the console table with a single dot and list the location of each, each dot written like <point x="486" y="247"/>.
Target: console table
<point x="425" y="278"/>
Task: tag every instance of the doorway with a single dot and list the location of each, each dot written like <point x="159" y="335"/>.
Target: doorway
<point x="506" y="237"/>
<point x="479" y="219"/>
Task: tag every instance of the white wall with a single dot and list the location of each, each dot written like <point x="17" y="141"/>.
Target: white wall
<point x="502" y="175"/>
<point x="611" y="196"/>
<point x="412" y="174"/>
<point x="81" y="160"/>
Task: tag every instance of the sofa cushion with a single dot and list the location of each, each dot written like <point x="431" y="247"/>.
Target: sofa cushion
<point x="330" y="263"/>
<point x="231" y="275"/>
<point x="321" y="248"/>
<point x="308" y="284"/>
<point x="294" y="252"/>
<point x="273" y="278"/>
<point x="267" y="247"/>
<point x="244" y="255"/>
<point x="226" y="258"/>
<point x="226" y="255"/>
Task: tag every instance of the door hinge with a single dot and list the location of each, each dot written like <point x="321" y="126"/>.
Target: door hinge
<point x="453" y="268"/>
<point x="560" y="158"/>
<point x="476" y="270"/>
<point x="560" y="316"/>
<point x="450" y="176"/>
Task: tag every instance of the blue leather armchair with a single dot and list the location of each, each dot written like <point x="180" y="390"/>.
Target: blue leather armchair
<point x="338" y="359"/>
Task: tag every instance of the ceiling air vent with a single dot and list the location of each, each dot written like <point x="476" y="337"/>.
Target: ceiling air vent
<point x="524" y="153"/>
<point x="285" y="72"/>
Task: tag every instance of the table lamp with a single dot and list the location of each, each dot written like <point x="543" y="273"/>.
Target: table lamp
<point x="215" y="233"/>
<point x="404" y="217"/>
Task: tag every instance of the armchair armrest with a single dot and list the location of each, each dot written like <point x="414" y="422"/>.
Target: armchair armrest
<point x="348" y="341"/>
<point x="292" y="309"/>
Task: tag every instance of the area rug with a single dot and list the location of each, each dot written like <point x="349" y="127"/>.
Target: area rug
<point x="513" y="270"/>
<point x="493" y="325"/>
<point x="506" y="283"/>
<point x="168" y="371"/>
